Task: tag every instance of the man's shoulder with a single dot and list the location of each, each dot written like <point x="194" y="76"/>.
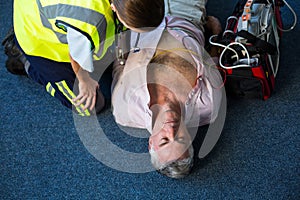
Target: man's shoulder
<point x="184" y="27"/>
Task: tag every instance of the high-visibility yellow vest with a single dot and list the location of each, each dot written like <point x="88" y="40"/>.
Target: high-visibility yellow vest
<point x="40" y="26"/>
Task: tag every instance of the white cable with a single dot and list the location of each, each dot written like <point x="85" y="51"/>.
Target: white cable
<point x="295" y="18"/>
<point x="221" y="45"/>
<point x="234" y="66"/>
<point x="231" y="49"/>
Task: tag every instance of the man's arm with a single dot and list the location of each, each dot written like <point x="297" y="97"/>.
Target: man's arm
<point x="213" y="27"/>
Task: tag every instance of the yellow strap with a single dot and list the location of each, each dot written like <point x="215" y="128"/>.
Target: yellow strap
<point x="68" y="93"/>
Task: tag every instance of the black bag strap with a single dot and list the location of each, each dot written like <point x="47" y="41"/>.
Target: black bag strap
<point x="261" y="46"/>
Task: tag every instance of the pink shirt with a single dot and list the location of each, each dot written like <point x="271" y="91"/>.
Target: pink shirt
<point x="130" y="96"/>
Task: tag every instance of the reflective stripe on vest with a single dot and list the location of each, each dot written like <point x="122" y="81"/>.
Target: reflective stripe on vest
<point x="67" y="92"/>
<point x="50" y="89"/>
<point x="38" y="34"/>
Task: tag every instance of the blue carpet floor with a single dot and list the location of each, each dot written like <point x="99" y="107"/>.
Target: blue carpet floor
<point x="43" y="153"/>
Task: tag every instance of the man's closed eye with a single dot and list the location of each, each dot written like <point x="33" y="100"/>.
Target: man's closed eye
<point x="163" y="142"/>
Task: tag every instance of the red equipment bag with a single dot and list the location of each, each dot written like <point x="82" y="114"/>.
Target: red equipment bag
<point x="250" y="48"/>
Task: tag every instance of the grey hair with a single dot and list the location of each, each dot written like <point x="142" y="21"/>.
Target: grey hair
<point x="175" y="168"/>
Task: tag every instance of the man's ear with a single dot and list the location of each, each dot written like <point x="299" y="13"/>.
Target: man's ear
<point x="149" y="143"/>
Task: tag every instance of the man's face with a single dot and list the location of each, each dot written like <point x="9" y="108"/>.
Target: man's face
<point x="170" y="138"/>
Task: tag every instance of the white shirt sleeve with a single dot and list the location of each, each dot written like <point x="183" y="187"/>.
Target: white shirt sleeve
<point x="80" y="49"/>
